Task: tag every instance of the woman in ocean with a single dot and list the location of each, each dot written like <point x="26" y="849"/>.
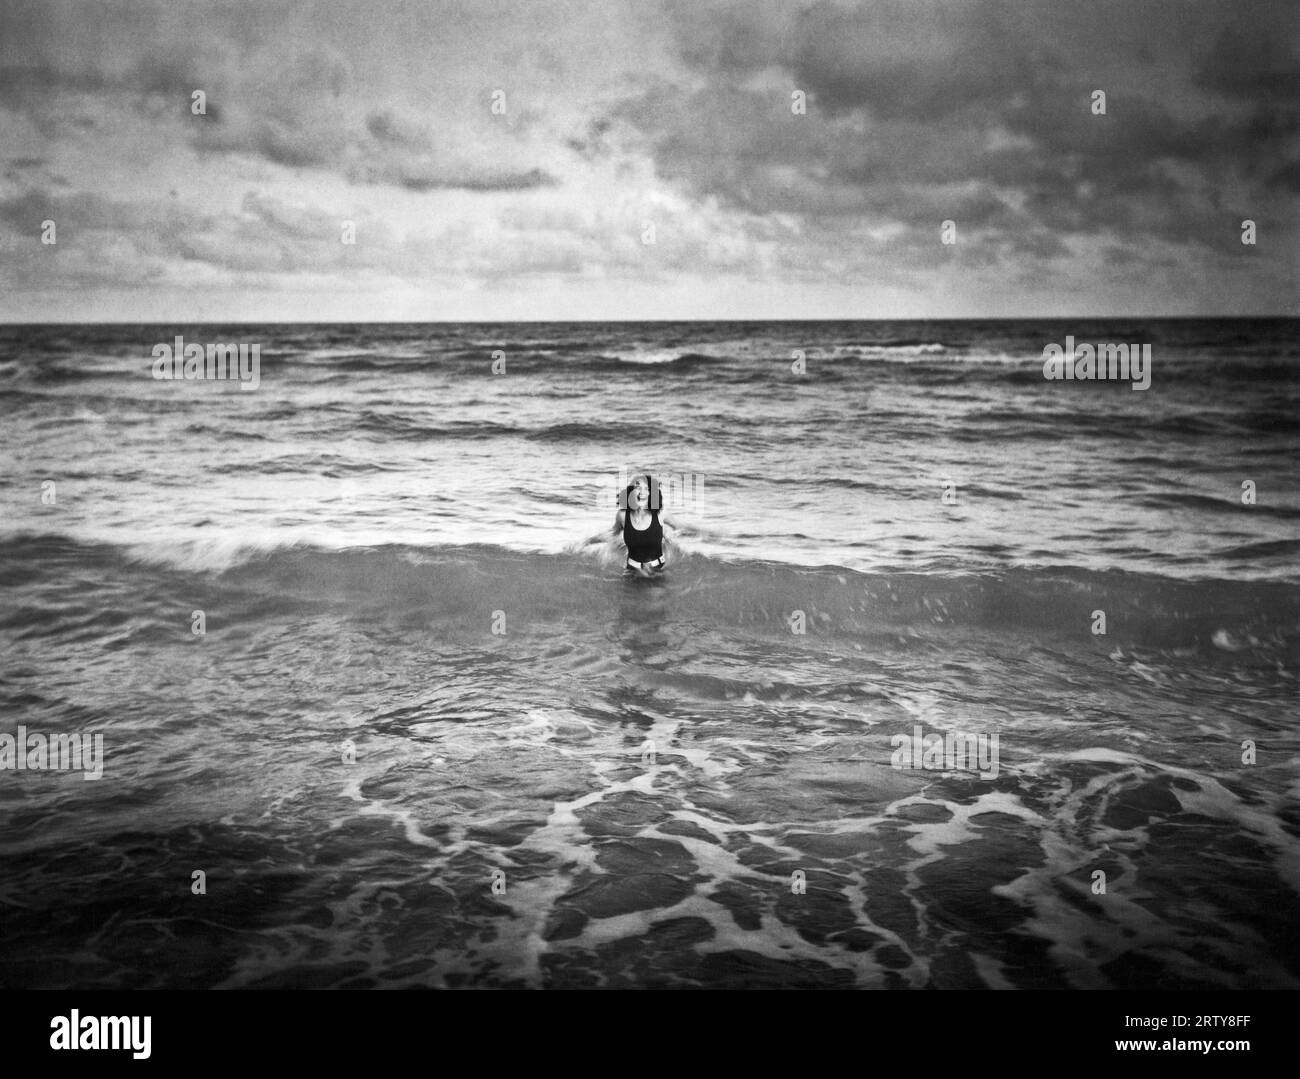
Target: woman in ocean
<point x="643" y="529"/>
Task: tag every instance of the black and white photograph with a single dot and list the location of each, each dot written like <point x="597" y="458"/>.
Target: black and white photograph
<point x="649" y="494"/>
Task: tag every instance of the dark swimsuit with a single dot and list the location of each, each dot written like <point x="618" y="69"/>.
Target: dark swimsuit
<point x="644" y="545"/>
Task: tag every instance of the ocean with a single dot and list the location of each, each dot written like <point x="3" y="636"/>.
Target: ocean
<point x="958" y="676"/>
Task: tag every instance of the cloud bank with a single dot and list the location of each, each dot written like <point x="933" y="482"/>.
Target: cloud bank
<point x="496" y="161"/>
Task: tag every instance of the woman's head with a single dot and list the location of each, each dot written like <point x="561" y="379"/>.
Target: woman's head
<point x="640" y="492"/>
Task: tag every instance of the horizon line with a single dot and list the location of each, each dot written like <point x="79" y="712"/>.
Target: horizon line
<point x="615" y="321"/>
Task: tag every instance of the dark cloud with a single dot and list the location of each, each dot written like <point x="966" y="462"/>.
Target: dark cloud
<point x="299" y="112"/>
<point x="485" y="181"/>
<point x="897" y="59"/>
<point x="23" y="84"/>
<point x="1287" y="178"/>
<point x="592" y="144"/>
<point x="981" y="113"/>
<point x="1255" y="60"/>
<point x="87" y="211"/>
<point x="844" y="58"/>
<point x="386" y="127"/>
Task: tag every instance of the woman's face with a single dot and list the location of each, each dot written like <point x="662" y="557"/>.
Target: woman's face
<point x="640" y="493"/>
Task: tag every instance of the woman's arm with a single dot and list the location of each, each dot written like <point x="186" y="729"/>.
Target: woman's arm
<point x="678" y="526"/>
<point x="605" y="536"/>
<point x="670" y="526"/>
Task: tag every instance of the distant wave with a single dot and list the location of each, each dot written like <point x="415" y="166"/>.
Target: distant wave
<point x="403" y="426"/>
<point x="903" y="343"/>
<point x="1207" y="504"/>
<point x="1262" y="549"/>
<point x="893" y="350"/>
<point x="661" y="356"/>
<point x="579" y="432"/>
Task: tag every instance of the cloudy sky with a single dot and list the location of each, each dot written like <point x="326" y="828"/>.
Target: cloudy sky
<point x="622" y="116"/>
